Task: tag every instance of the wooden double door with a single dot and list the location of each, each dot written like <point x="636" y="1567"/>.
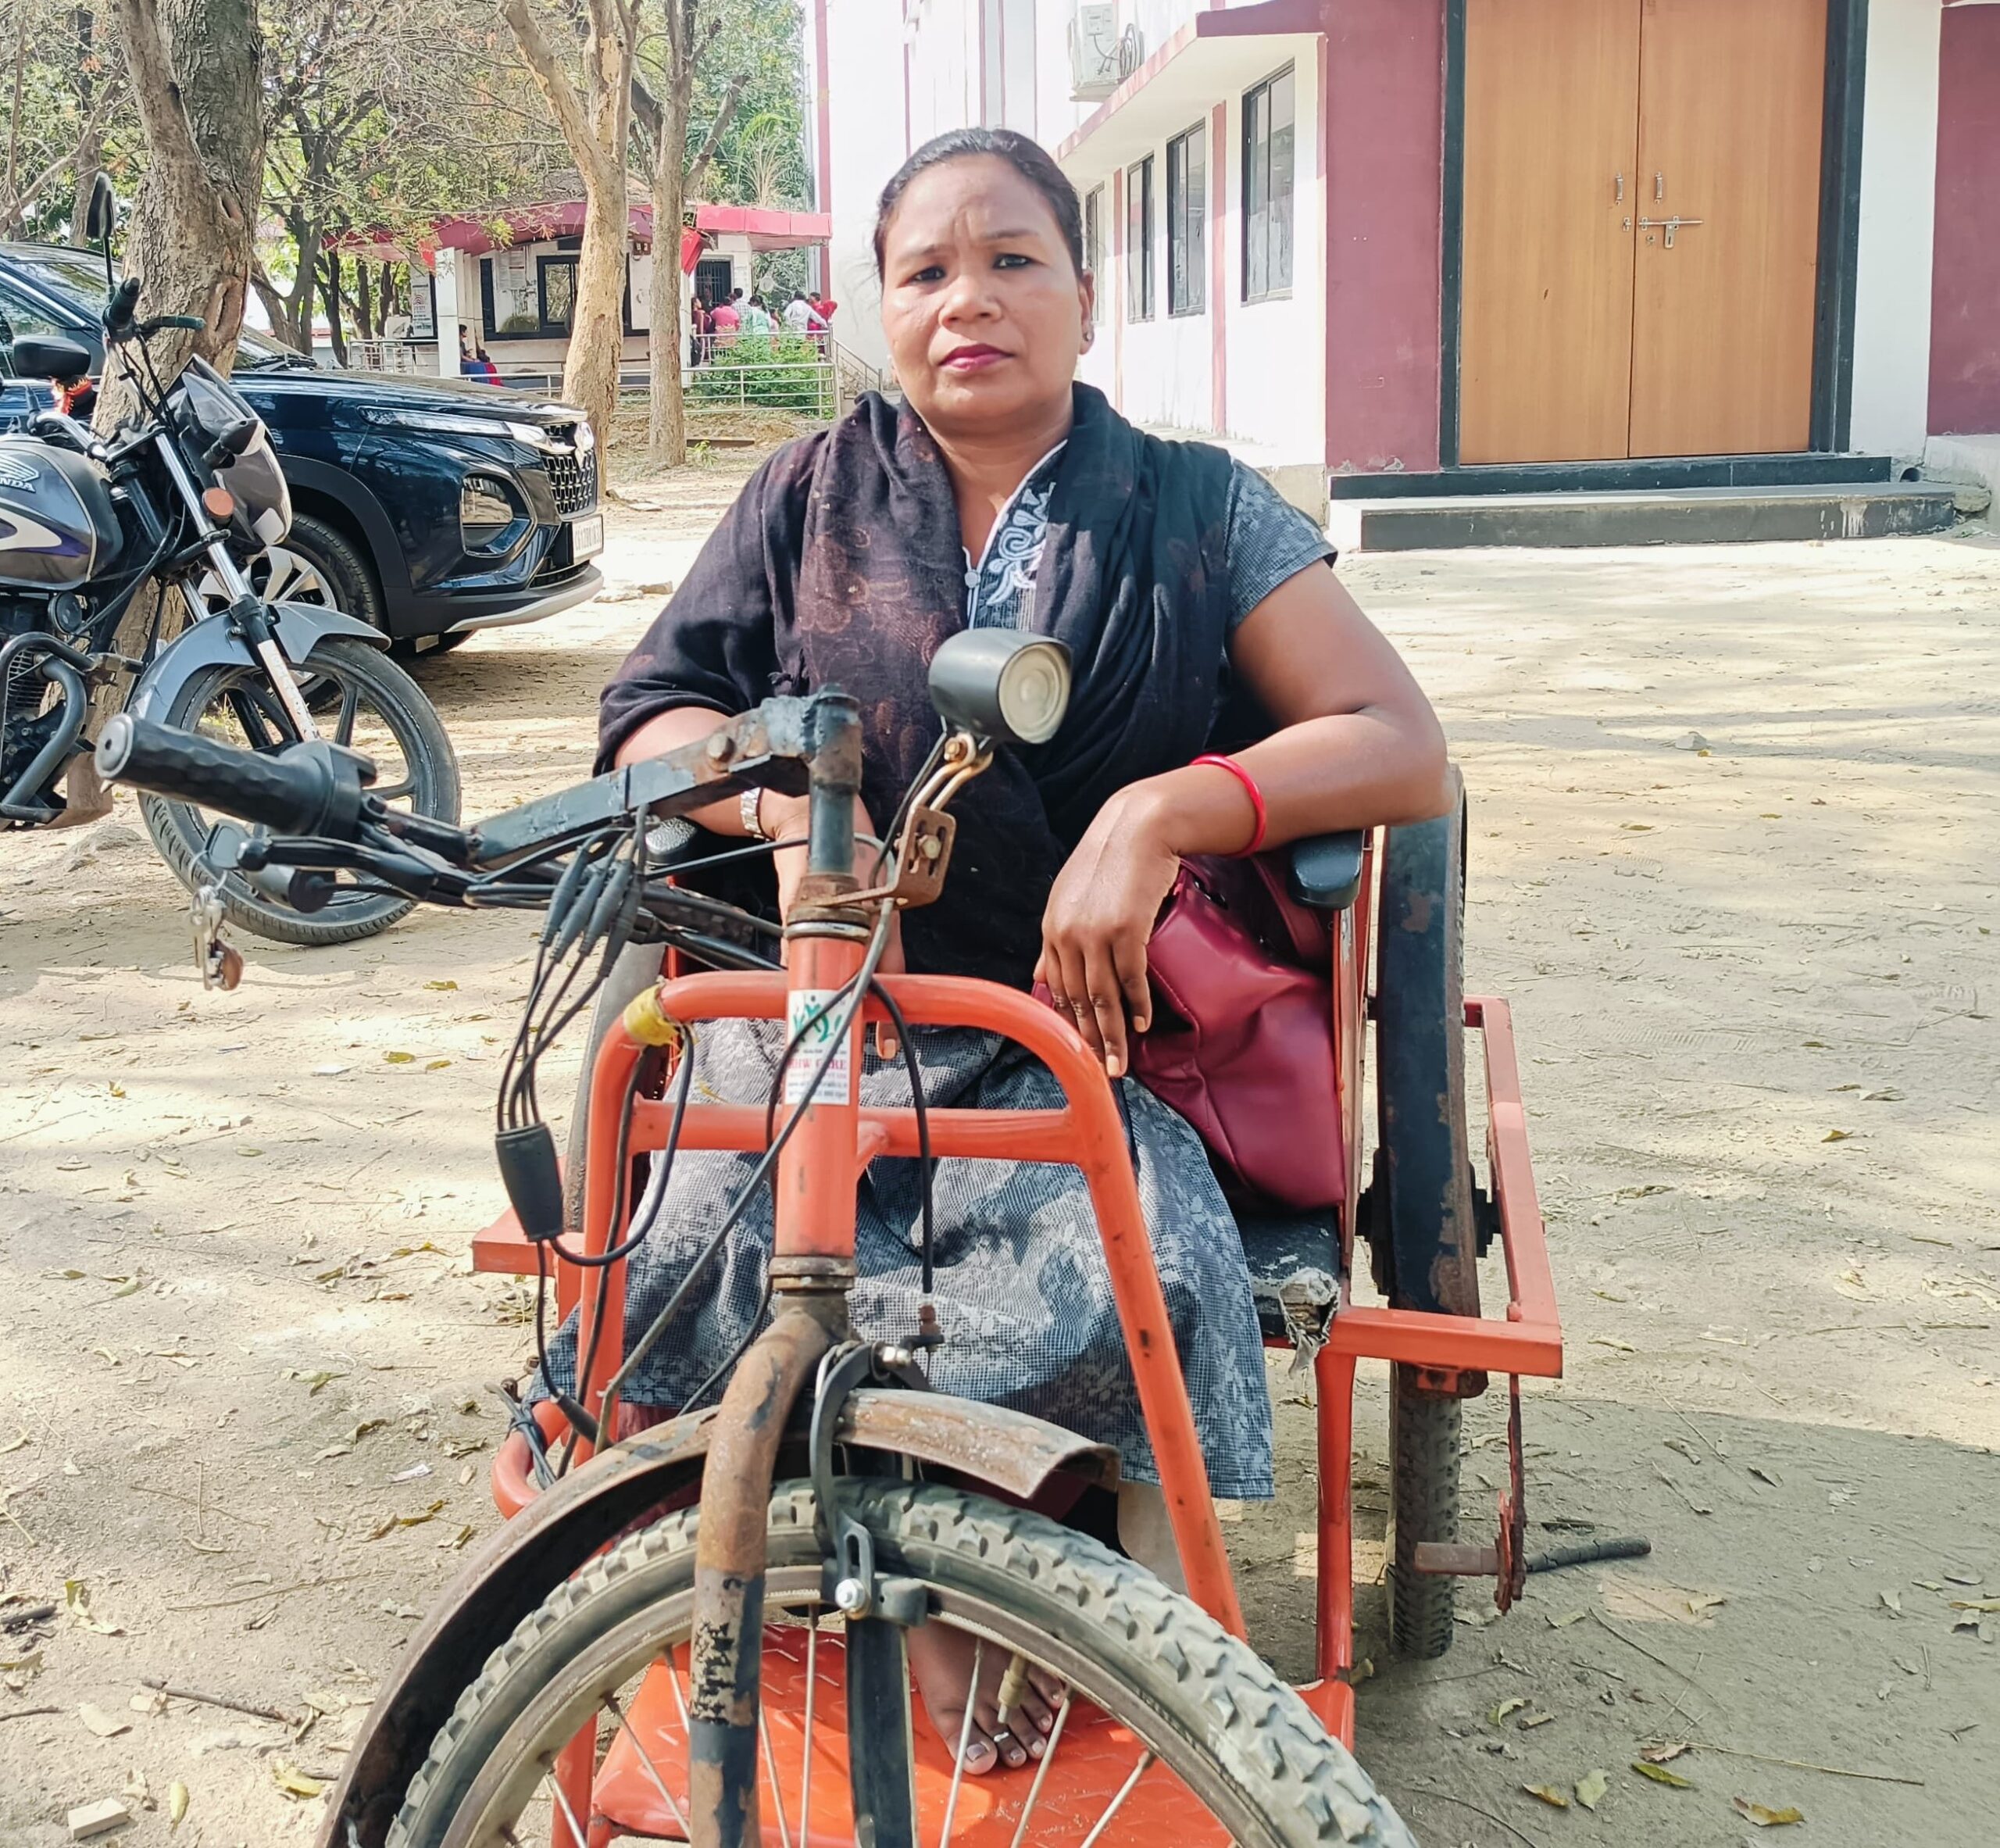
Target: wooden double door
<point x="1641" y="227"/>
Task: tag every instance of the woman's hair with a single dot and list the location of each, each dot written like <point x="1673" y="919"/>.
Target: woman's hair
<point x="1028" y="159"/>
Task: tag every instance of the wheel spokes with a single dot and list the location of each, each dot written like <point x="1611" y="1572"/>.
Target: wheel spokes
<point x="805" y="1764"/>
<point x="350" y="705"/>
<point x="579" y="1834"/>
<point x="645" y="1759"/>
<point x="965" y="1739"/>
<point x="771" y="1771"/>
<point x="1041" y="1772"/>
<point x="1118" y="1802"/>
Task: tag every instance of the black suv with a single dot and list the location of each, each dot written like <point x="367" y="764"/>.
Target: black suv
<point x="432" y="508"/>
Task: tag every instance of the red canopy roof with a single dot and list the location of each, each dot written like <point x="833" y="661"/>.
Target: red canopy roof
<point x="767" y="229"/>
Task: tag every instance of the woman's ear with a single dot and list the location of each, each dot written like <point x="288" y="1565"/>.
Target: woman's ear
<point x="1087" y="299"/>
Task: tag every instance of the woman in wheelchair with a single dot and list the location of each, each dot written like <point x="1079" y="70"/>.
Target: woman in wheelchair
<point x="1203" y="617"/>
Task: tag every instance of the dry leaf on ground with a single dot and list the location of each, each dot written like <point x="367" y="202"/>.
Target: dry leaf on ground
<point x="1763" y="1818"/>
<point x="293" y="1782"/>
<point x="1660" y="1775"/>
<point x="104" y="1725"/>
<point x="1592" y="1786"/>
<point x="1548" y="1794"/>
<point x="1512" y="1705"/>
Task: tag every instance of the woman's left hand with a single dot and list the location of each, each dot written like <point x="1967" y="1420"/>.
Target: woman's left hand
<point x="1100" y="916"/>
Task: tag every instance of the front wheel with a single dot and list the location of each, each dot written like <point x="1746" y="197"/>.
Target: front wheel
<point x="362" y="700"/>
<point x="1174" y="1731"/>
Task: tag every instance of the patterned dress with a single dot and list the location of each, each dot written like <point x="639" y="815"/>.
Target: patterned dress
<point x="1023" y="1296"/>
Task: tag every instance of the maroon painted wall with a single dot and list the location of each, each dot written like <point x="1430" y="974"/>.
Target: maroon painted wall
<point x="1384" y="152"/>
<point x="1965" y="302"/>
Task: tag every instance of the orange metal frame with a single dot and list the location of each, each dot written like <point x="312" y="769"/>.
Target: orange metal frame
<point x="836" y="1142"/>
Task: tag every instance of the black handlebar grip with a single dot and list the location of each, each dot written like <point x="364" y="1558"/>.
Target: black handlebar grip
<point x="117" y="310"/>
<point x="289" y="795"/>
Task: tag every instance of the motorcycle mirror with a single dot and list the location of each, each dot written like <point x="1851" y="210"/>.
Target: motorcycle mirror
<point x="1002" y="684"/>
<point x="100" y="220"/>
<point x="101" y="213"/>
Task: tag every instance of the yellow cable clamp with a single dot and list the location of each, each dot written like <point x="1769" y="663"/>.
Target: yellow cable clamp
<point x="646" y="1024"/>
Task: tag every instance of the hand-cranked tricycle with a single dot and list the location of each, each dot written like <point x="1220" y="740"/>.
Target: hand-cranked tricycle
<point x="702" y="1633"/>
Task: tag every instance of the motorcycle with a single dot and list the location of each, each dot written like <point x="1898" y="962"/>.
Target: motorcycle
<point x="189" y="491"/>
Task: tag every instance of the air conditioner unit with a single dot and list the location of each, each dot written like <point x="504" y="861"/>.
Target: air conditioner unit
<point x="1094" y="48"/>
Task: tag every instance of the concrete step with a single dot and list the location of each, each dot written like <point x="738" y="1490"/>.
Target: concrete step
<point x="1684" y="516"/>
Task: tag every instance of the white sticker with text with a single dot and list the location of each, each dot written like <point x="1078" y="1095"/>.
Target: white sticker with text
<point x="838" y="1085"/>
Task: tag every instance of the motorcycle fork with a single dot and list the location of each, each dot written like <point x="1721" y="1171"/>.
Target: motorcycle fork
<point x="249" y="618"/>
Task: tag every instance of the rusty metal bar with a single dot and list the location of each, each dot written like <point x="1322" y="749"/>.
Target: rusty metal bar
<point x="729" y="1580"/>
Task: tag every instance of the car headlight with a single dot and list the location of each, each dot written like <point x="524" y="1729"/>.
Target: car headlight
<point x="451" y="423"/>
<point x="487" y="513"/>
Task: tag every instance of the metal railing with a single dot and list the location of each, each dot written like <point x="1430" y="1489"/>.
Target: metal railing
<point x="737" y="377"/>
<point x="804" y="388"/>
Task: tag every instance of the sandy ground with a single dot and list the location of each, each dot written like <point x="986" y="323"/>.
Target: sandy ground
<point x="245" y="1409"/>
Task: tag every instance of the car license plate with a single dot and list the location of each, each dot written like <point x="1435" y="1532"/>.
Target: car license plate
<point x="586" y="537"/>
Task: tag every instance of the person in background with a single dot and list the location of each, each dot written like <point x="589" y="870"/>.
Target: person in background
<point x="802" y="317"/>
<point x="698" y="325"/>
<point x="724" y="323"/>
<point x="757" y="318"/>
<point x="473" y="360"/>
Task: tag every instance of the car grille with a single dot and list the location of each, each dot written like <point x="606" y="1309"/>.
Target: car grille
<point x="573" y="481"/>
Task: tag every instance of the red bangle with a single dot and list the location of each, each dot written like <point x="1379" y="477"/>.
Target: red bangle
<point x="1249" y="788"/>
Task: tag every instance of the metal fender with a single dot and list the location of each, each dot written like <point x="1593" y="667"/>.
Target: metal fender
<point x="522" y="1562"/>
<point x="301" y="628"/>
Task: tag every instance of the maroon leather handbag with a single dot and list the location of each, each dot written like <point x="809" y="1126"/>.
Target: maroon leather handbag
<point x="1242" y="1037"/>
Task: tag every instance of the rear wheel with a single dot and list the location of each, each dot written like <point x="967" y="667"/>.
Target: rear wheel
<point x="1424" y="1219"/>
<point x="1175" y="1731"/>
<point x="364" y="701"/>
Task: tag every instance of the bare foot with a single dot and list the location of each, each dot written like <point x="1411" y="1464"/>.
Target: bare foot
<point x="942" y="1658"/>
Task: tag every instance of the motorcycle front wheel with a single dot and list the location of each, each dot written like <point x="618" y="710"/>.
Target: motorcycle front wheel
<point x="371" y="705"/>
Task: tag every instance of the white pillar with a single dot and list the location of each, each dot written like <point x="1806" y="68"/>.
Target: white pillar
<point x="1898" y="206"/>
<point x="445" y="311"/>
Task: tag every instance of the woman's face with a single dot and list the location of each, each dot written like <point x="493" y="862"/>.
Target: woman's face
<point x="983" y="310"/>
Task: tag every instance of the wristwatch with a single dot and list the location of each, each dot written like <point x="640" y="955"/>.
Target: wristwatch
<point x="747" y="805"/>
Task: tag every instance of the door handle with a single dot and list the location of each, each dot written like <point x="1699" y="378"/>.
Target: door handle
<point x="1660" y="187"/>
<point x="1670" y="226"/>
<point x="1617" y="180"/>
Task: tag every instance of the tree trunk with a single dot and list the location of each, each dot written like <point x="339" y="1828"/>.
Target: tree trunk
<point x="364" y="303"/>
<point x="89" y="141"/>
<point x="387" y="295"/>
<point x="194" y="69"/>
<point x="667" y="420"/>
<point x="200" y="106"/>
<point x="330" y="296"/>
<point x="596" y="123"/>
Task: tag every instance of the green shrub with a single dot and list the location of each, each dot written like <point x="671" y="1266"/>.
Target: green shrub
<point x="784" y="372"/>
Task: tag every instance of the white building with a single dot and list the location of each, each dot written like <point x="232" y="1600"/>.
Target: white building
<point x="1455" y="238"/>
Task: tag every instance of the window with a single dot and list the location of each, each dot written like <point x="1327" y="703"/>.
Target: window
<point x="25" y="315"/>
<point x="558" y="292"/>
<point x="1094" y="248"/>
<point x="1187" y="222"/>
<point x="1267" y="149"/>
<point x="1139" y="241"/>
<point x="524" y="296"/>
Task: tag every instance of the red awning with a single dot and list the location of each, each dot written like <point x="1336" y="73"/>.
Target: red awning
<point x="766" y="228"/>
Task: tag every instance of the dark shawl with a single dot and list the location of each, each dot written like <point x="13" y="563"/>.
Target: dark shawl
<point x="841" y="564"/>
